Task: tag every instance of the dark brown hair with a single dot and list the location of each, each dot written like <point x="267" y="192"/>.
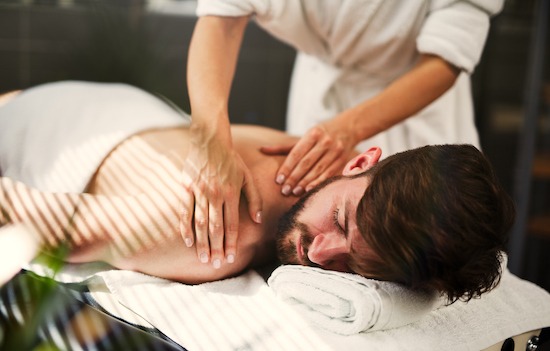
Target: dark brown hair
<point x="434" y="218"/>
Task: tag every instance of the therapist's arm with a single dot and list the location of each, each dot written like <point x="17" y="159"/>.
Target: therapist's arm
<point x="325" y="148"/>
<point x="214" y="174"/>
<point x="414" y="91"/>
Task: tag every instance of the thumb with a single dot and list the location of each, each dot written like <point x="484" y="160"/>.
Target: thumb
<point x="277" y="149"/>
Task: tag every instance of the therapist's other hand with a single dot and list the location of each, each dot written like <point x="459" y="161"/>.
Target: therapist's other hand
<point x="318" y="155"/>
<point x="213" y="177"/>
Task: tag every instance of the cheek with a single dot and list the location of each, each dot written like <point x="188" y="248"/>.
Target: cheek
<point x="319" y="221"/>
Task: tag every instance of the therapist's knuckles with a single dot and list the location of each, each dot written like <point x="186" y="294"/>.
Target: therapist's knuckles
<point x="185" y="215"/>
<point x="316" y="132"/>
<point x="295" y="186"/>
<point x="316" y="175"/>
<point x="200" y="223"/>
<point x="216" y="228"/>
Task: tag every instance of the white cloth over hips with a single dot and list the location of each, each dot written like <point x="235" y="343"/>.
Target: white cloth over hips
<point x="56" y="145"/>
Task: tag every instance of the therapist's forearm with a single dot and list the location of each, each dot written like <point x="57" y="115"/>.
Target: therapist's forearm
<point x="213" y="54"/>
<point x="406" y="96"/>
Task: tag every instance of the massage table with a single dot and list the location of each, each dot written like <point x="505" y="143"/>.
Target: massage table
<point x="248" y="312"/>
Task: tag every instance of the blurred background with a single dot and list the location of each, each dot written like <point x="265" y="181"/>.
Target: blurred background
<point x="145" y="43"/>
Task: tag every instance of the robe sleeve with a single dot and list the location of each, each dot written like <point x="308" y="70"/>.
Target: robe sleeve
<point x="457" y="30"/>
<point x="232" y="8"/>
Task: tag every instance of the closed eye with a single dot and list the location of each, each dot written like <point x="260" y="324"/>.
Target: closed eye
<point x="335" y="215"/>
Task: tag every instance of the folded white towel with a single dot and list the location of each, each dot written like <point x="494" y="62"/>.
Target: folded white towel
<point x="347" y="303"/>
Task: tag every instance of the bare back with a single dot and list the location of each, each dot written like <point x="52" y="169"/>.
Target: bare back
<point x="134" y="197"/>
<point x="151" y="162"/>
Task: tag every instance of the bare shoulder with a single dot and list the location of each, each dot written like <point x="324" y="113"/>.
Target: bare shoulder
<point x="143" y="160"/>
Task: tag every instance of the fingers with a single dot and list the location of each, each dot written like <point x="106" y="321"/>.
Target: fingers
<point x="231" y="221"/>
<point x="315" y="157"/>
<point x="196" y="215"/>
<point x="201" y="227"/>
<point x="216" y="233"/>
<point x="299" y="182"/>
<point x="323" y="172"/>
<point x="301" y="149"/>
<point x="310" y="162"/>
<point x="253" y="196"/>
<point x="186" y="217"/>
<point x="216" y="230"/>
<point x="215" y="220"/>
<point x="287" y="175"/>
<point x="213" y="176"/>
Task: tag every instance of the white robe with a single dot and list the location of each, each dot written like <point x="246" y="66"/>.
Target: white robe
<point x="350" y="50"/>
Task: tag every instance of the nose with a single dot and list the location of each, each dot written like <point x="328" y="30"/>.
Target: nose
<point x="330" y="251"/>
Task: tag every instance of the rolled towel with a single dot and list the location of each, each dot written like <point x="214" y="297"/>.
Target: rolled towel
<point x="346" y="303"/>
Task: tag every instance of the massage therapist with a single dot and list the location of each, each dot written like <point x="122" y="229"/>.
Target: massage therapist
<point x="392" y="74"/>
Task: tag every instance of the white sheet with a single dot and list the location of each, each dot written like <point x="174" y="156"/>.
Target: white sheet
<point x="246" y="314"/>
<point x="241" y="313"/>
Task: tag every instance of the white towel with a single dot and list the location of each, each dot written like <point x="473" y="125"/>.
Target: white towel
<point x="58" y="146"/>
<point x="347" y="303"/>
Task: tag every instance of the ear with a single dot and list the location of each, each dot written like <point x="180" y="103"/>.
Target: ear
<point x="362" y="162"/>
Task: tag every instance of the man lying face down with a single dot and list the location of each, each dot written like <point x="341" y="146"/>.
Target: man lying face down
<point x="433" y="218"/>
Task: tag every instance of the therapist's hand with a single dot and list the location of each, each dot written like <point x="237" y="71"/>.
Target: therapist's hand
<point x="213" y="177"/>
<point x="321" y="153"/>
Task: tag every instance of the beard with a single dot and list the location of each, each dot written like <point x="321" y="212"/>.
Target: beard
<point x="286" y="247"/>
<point x="289" y="225"/>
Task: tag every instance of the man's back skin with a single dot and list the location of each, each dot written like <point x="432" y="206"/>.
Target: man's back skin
<point x="139" y="185"/>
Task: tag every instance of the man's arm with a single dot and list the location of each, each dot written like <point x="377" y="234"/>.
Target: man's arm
<point x="137" y="233"/>
<point x="95" y="227"/>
